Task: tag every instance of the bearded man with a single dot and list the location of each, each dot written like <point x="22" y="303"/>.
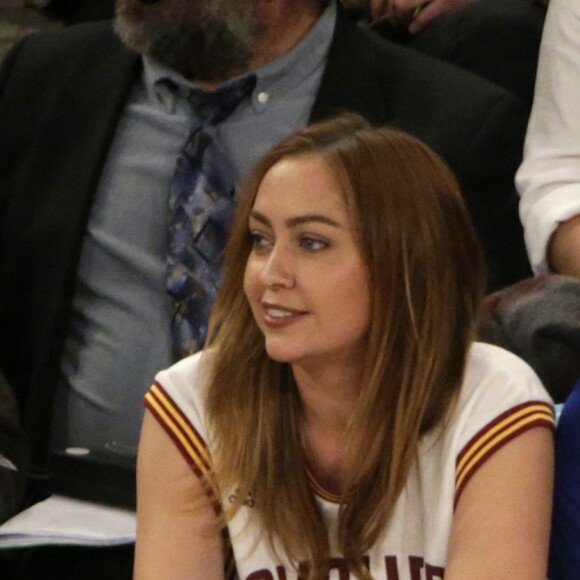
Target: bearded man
<point x="93" y="121"/>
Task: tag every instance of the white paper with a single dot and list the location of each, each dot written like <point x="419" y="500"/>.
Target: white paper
<point x="63" y="520"/>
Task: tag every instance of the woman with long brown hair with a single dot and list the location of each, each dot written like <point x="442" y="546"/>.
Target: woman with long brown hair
<point x="341" y="417"/>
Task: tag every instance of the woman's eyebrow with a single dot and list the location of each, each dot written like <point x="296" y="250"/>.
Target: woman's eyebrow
<point x="260" y="217"/>
<point x="298" y="220"/>
<point x="311" y="217"/>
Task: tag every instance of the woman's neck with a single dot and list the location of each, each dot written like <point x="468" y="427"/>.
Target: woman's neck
<point x="327" y="395"/>
<point x="328" y="398"/>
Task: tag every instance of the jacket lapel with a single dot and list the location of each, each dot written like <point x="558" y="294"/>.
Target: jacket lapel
<point x="351" y="80"/>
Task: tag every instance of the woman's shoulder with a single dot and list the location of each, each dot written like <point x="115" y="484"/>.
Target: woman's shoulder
<point x="184" y="384"/>
<point x="191" y="368"/>
<point x="501" y="398"/>
<point x="494" y="372"/>
<point x="500" y="392"/>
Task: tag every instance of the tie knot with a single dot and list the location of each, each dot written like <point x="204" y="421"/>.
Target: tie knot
<point x="214" y="107"/>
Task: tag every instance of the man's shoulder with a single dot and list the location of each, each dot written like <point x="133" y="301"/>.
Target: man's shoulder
<point x="389" y="53"/>
<point x="435" y="75"/>
<point x="87" y="57"/>
<point x="410" y="87"/>
<point x="77" y="47"/>
<point x="80" y="36"/>
<point x="442" y="104"/>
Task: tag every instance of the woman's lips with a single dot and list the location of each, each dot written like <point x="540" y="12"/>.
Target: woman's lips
<point x="278" y="316"/>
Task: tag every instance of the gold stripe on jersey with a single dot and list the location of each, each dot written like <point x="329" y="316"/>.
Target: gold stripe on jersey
<point x="195" y="451"/>
<point x="496" y="434"/>
<point x="188" y="440"/>
<point x="180" y="426"/>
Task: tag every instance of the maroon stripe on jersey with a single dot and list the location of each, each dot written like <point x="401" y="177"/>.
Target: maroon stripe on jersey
<point x="163" y="408"/>
<point x="495" y="435"/>
<point x="495" y="422"/>
<point x="169" y="404"/>
<point x="175" y="432"/>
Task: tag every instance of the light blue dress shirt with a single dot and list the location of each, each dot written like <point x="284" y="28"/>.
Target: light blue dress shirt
<point x="119" y="333"/>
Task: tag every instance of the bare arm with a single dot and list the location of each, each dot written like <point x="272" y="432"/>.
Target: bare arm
<point x="177" y="532"/>
<point x="549" y="177"/>
<point x="501" y="525"/>
<point x="564" y="251"/>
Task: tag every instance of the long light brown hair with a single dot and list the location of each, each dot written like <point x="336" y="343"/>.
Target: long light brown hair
<point x="426" y="280"/>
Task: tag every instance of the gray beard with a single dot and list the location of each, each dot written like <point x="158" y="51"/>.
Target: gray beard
<point x="206" y="40"/>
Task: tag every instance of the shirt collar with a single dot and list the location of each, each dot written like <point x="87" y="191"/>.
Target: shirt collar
<point x="278" y="77"/>
<point x="274" y="79"/>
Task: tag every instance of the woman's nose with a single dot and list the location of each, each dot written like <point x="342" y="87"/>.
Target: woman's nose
<point x="278" y="269"/>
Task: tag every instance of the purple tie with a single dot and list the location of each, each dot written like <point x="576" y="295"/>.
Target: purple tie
<point x="201" y="202"/>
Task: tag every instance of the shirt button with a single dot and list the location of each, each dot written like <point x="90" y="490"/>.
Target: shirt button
<point x="263" y="98"/>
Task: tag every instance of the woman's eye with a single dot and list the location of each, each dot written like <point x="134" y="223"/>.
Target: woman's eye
<point x="259" y="241"/>
<point x="313" y="244"/>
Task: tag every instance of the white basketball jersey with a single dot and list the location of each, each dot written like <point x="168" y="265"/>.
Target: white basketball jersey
<point x="501" y="398"/>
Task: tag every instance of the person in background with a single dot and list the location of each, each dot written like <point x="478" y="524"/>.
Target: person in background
<point x="19" y="18"/>
<point x="549" y="177"/>
<point x="538" y="319"/>
<point x="495" y="39"/>
<point x="83" y="244"/>
<point x="98" y="123"/>
<point x="565" y="542"/>
<point x="341" y="417"/>
<point x="416" y="15"/>
<point x="549" y="183"/>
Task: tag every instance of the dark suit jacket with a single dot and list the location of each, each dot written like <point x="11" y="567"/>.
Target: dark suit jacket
<point x="61" y="94"/>
<point x="479" y="36"/>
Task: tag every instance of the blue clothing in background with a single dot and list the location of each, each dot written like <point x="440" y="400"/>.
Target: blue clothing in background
<point x="565" y="543"/>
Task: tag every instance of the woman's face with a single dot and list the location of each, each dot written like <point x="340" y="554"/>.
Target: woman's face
<point x="305" y="278"/>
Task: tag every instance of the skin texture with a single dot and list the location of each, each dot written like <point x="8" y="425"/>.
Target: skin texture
<point x="177" y="535"/>
<point x="565" y="248"/>
<point x="305" y="262"/>
<point x="493" y="518"/>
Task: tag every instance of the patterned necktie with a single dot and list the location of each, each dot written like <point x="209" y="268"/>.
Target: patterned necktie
<point x="201" y="202"/>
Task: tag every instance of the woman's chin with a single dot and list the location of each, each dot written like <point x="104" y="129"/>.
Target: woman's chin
<point x="281" y="354"/>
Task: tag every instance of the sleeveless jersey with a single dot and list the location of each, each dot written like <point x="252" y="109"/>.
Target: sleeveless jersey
<point x="501" y="398"/>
